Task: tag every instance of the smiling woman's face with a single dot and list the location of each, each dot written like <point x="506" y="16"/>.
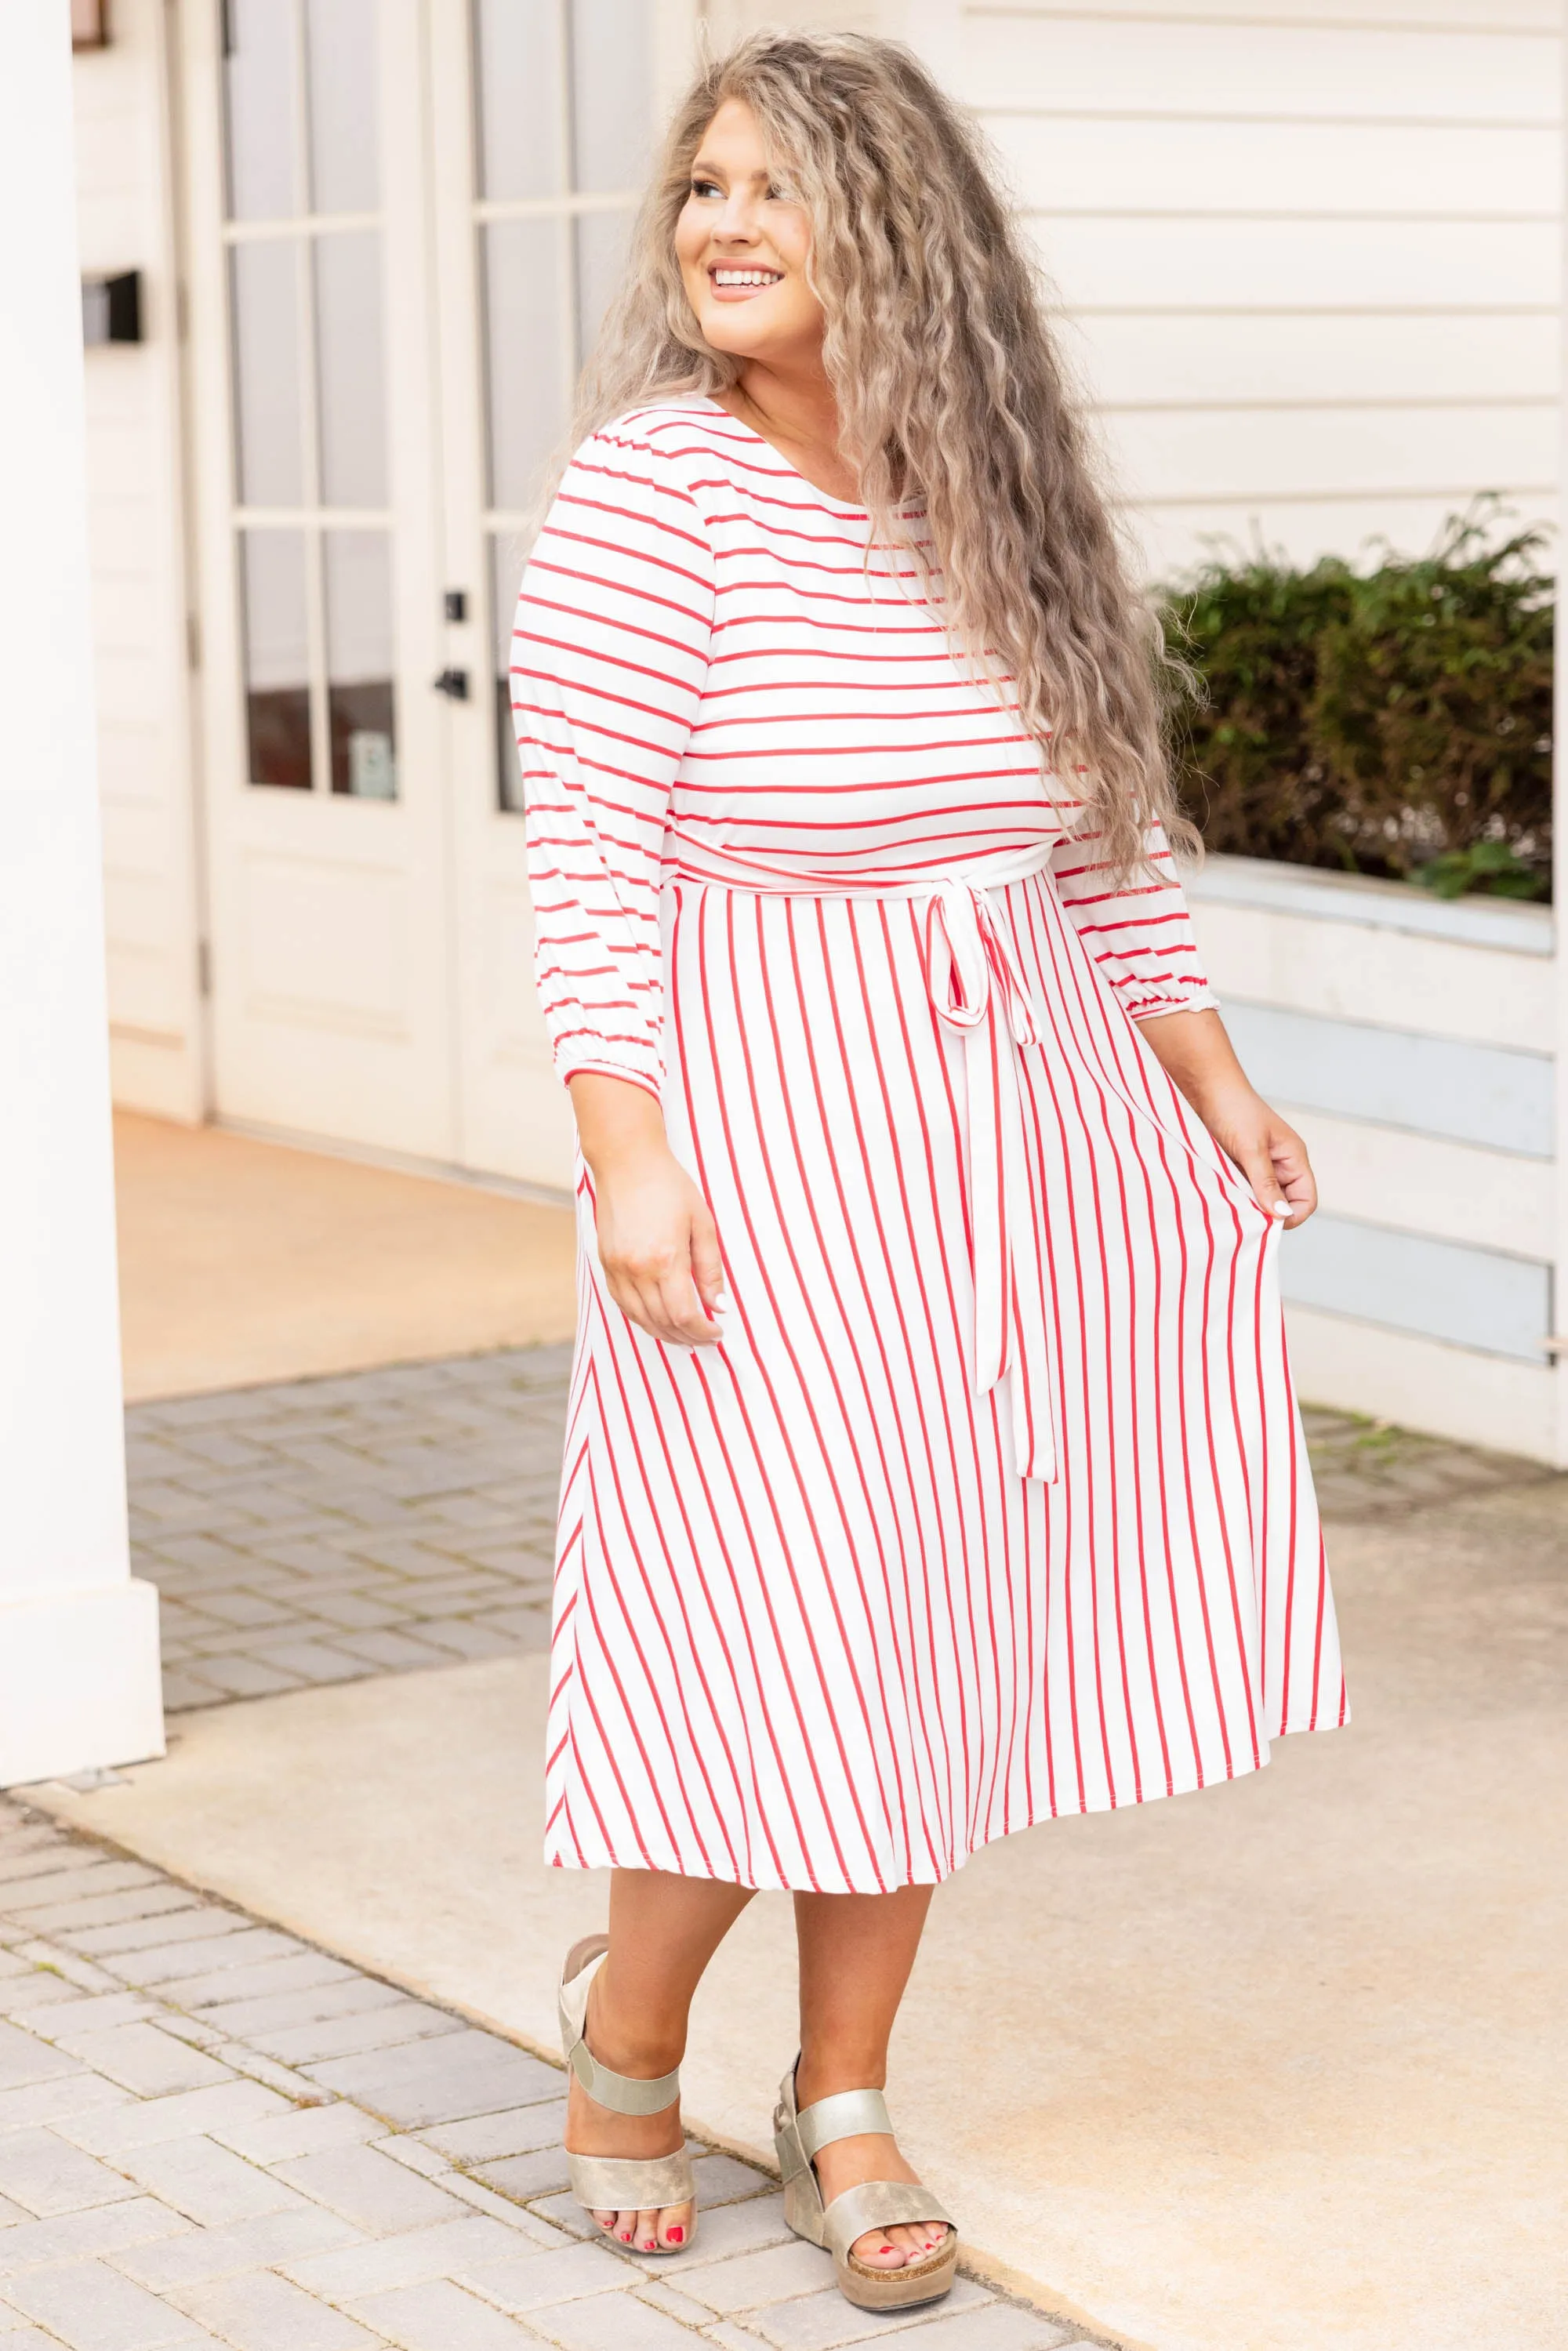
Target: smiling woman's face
<point x="743" y="243"/>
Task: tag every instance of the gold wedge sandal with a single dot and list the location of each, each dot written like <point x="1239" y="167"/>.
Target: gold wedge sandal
<point x="612" y="2183"/>
<point x="875" y="2204"/>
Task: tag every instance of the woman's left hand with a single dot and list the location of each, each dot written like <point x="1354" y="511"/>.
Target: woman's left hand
<point x="1270" y="1155"/>
<point x="1195" y="1052"/>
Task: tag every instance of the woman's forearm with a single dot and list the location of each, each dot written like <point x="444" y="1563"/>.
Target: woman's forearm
<point x="1199" y="1056"/>
<point x="1200" y="1059"/>
<point x="617" y="1119"/>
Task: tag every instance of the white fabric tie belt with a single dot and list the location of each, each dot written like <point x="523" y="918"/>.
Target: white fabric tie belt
<point x="972" y="971"/>
<point x="978" y="987"/>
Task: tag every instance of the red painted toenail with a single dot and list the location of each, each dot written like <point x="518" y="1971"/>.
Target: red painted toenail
<point x="675" y="2236"/>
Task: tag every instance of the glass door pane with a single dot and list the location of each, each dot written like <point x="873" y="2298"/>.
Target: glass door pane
<point x="306" y="323"/>
<point x="563" y="135"/>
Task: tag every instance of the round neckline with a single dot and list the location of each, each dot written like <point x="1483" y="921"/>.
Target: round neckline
<point x="844" y="505"/>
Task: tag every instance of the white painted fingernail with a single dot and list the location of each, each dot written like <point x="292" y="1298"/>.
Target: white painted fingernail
<point x="721" y="1306"/>
<point x="1281" y="1208"/>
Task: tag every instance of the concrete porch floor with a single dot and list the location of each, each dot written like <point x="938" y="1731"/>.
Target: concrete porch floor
<point x="244" y="1261"/>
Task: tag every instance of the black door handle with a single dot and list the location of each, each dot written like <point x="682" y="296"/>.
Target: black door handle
<point x="453" y="682"/>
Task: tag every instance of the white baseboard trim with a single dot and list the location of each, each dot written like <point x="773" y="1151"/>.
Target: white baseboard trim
<point x="81" y="1685"/>
<point x="1424" y="1383"/>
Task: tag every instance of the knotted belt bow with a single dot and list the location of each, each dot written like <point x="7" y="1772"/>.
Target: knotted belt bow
<point x="979" y="987"/>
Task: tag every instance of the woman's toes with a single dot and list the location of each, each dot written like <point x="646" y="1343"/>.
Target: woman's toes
<point x="676" y="2225"/>
<point x="878" y="2251"/>
<point x="608" y="2221"/>
<point x="646" y="2236"/>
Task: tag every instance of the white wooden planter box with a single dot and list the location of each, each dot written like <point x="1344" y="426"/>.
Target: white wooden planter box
<point x="1412" y="1042"/>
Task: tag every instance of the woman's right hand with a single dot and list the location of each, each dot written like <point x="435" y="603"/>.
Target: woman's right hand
<point x="658" y="1243"/>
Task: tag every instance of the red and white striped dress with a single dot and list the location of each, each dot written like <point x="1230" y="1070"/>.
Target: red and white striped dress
<point x="992" y="1502"/>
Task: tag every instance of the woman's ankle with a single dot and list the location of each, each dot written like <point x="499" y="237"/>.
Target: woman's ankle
<point x="825" y="2068"/>
<point x="643" y="2047"/>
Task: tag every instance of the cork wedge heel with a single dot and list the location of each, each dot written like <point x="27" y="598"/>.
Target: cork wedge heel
<point x="797" y="2133"/>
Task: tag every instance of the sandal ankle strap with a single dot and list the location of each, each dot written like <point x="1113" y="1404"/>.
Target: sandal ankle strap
<point x="846" y="2115"/>
<point x="623" y="2094"/>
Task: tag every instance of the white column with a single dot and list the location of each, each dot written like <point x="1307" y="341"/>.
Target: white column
<point x="79" y="1635"/>
<point x="1559" y="816"/>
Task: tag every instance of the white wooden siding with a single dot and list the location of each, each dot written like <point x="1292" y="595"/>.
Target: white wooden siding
<point x="1309" y="250"/>
<point x="137" y="597"/>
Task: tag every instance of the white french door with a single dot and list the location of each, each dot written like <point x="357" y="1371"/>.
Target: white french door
<point x="403" y="219"/>
<point x="326" y="752"/>
<point x="541" y="117"/>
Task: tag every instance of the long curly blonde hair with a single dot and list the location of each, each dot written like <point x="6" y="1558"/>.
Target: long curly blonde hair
<point x="951" y="395"/>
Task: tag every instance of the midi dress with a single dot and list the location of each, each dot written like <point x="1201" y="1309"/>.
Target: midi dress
<point x="992" y="1502"/>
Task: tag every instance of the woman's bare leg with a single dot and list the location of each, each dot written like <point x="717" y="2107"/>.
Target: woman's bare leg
<point x="663" y="1931"/>
<point x="856" y="1951"/>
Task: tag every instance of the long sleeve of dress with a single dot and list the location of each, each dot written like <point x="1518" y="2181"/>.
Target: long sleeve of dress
<point x="1140" y="934"/>
<point x="608" y="654"/>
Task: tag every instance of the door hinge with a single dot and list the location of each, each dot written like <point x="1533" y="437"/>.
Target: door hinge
<point x="203" y="967"/>
<point x="193" y="641"/>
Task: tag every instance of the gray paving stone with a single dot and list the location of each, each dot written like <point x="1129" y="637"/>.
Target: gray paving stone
<point x="67" y="2094"/>
<point x="465" y="2074"/>
<point x="170" y="1961"/>
<point x="673" y="2305"/>
<point x="46" y="2174"/>
<point x="517" y="2130"/>
<point x="311" y="1661"/>
<point x="241" y="1676"/>
<point x="24" y="1996"/>
<point x="262" y="2312"/>
<point x="468" y="2247"/>
<point x="529" y="2280"/>
<point x="723" y="2180"/>
<point x="392" y="2026"/>
<point x="344" y="1995"/>
<point x="304" y="2130"/>
<point x="1003" y="2327"/>
<point x="273" y="2240"/>
<point x="197" y="1921"/>
<point x="753" y="2281"/>
<point x="542" y="2173"/>
<point x="93" y="2308"/>
<point x="59" y="1889"/>
<point x="298" y="1972"/>
<point x="152" y="2064"/>
<point x="145" y="2122"/>
<point x="84" y="1974"/>
<point x="28" y="1859"/>
<point x="441" y="2316"/>
<point x="82" y="2236"/>
<point x="99" y="2013"/>
<point x="149" y="1901"/>
<point x="209" y="2183"/>
<point x="821" y="2321"/>
<point x="369" y="2190"/>
<point x="628" y="2324"/>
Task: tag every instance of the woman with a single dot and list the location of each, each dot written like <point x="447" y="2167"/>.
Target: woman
<point x="932" y="1466"/>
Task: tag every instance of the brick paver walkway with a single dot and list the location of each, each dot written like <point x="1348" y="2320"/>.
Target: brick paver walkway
<point x="212" y="2135"/>
<point x="327" y="1528"/>
<point x="330" y="1529"/>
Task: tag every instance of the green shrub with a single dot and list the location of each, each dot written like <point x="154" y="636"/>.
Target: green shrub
<point x="1394" y="721"/>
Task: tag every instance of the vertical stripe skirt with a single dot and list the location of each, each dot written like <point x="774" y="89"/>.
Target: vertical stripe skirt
<point x="835" y="1602"/>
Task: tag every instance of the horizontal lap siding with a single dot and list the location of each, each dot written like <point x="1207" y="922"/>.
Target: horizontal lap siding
<point x="1310" y="260"/>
